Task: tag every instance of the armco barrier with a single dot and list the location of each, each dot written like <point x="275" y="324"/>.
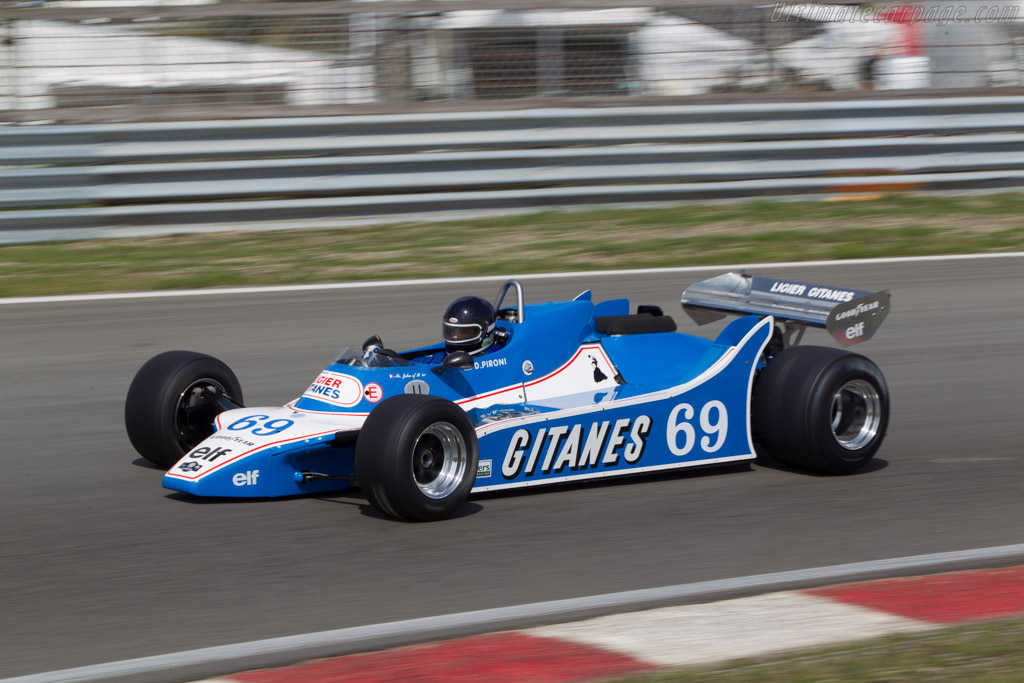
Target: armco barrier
<point x="84" y="179"/>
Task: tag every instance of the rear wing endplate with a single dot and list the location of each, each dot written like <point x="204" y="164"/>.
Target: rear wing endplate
<point x="851" y="316"/>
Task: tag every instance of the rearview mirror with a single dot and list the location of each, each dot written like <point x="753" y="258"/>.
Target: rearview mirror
<point x="459" y="360"/>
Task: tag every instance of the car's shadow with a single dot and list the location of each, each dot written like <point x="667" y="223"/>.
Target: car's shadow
<point x="627" y="480"/>
<point x="766" y="461"/>
<point x="353" y="497"/>
<point x="342" y="497"/>
<point x="145" y="464"/>
<point x="350" y="498"/>
<point x="466" y="510"/>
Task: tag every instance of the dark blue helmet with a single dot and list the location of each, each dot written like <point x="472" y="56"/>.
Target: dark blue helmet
<point x="468" y="325"/>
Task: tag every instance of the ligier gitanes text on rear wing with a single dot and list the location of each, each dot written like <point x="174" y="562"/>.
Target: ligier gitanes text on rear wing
<point x="851" y="316"/>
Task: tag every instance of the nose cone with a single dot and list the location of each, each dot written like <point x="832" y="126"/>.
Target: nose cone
<point x="245" y="477"/>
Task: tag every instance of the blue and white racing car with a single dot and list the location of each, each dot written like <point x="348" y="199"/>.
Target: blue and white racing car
<point x="530" y="394"/>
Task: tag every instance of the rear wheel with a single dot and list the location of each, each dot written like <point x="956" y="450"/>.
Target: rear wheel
<point x="416" y="457"/>
<point x="173" y="401"/>
<point x="821" y="409"/>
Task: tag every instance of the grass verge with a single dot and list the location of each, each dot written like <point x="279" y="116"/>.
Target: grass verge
<point x="754" y="231"/>
<point x="990" y="652"/>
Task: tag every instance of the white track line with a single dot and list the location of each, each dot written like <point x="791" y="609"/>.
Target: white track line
<point x="498" y="618"/>
<point x="419" y="282"/>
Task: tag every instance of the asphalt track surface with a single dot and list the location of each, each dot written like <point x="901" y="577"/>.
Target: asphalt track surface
<point x="99" y="563"/>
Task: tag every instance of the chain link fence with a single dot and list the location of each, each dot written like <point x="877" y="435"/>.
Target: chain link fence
<point x="72" y="54"/>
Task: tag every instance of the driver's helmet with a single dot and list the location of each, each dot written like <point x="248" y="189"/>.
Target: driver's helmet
<point x="468" y="325"/>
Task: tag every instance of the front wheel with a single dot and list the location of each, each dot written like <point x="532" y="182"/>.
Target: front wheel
<point x="172" y="402"/>
<point x="416" y="457"/>
<point x="821" y="409"/>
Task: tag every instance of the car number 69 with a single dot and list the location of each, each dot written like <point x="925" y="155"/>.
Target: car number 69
<point x="681" y="428"/>
<point x="268" y="428"/>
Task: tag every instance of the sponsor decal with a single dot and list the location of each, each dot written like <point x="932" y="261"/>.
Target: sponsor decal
<point x="406" y="375"/>
<point x="506" y="413"/>
<point x="858" y="309"/>
<point x="489" y="363"/>
<point x="858" y="320"/>
<point x="246" y="478"/>
<point x="827" y="294"/>
<point x="417" y="386"/>
<point x="483" y="469"/>
<point x="527" y="367"/>
<point x="788" y="288"/>
<point x="336" y="389"/>
<point x="208" y="453"/>
<point x="573" y="447"/>
<point x="811" y="292"/>
<point x="192" y="466"/>
<point x="598" y="375"/>
<point x="855" y="331"/>
<point x="234" y="439"/>
<point x="373" y="392"/>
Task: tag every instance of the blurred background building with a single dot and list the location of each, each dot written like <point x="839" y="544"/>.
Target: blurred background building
<point x="119" y="53"/>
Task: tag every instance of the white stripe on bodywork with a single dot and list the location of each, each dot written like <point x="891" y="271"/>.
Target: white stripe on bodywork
<point x="566" y="378"/>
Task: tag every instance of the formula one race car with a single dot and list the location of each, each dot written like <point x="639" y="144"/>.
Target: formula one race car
<point x="534" y="394"/>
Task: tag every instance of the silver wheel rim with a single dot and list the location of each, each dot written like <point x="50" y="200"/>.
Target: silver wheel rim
<point x="856" y="414"/>
<point x="195" y="404"/>
<point x="439" y="460"/>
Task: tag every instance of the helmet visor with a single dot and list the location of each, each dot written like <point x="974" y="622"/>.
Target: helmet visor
<point x="460" y="333"/>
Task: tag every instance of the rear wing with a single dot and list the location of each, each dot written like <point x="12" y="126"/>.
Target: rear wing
<point x="851" y="316"/>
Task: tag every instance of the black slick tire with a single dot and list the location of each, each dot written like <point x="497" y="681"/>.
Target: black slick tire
<point x="172" y="401"/>
<point x="820" y="409"/>
<point x="416" y="457"/>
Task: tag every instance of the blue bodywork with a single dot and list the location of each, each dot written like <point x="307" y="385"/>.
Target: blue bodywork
<point x="557" y="400"/>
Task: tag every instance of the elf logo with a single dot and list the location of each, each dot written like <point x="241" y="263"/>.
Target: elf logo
<point x="208" y="453"/>
<point x="246" y="478"/>
<point x="855" y="331"/>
